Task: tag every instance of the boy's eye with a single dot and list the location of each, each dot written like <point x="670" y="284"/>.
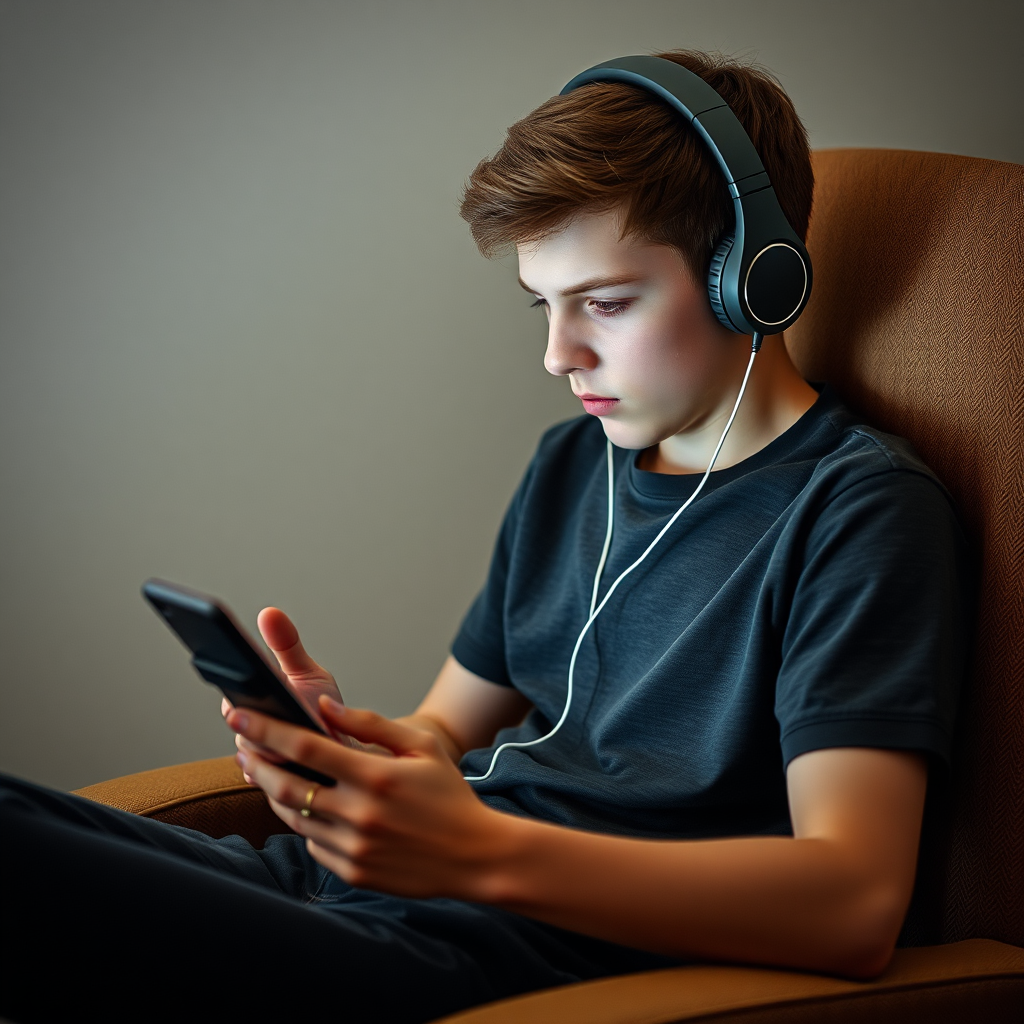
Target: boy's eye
<point x="609" y="307"/>
<point x="603" y="307"/>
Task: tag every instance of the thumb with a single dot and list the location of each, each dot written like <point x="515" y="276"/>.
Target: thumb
<point x="282" y="638"/>
<point x="373" y="729"/>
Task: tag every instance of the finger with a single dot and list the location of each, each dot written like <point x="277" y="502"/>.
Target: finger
<point x="248" y="747"/>
<point x="332" y="843"/>
<point x="282" y="787"/>
<point x="294" y="794"/>
<point x="282" y="638"/>
<point x="371" y="728"/>
<point x="240" y="761"/>
<point x="303" y="746"/>
<point x="322" y="825"/>
<point x="335" y="862"/>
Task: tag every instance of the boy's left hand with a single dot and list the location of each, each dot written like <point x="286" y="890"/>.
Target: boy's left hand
<point x="408" y="824"/>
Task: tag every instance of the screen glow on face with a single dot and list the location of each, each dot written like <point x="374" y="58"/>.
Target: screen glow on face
<point x="631" y="329"/>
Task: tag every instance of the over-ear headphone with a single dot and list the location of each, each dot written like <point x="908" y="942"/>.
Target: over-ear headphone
<point x="760" y="275"/>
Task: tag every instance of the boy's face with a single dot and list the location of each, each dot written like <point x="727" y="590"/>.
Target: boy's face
<point x="633" y="332"/>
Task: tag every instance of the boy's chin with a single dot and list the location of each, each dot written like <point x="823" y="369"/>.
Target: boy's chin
<point x="630" y="436"/>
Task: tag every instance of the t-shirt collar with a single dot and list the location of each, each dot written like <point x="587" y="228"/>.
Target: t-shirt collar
<point x="788" y="443"/>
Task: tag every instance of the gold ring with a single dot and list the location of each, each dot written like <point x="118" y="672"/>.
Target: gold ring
<point x="307" y="811"/>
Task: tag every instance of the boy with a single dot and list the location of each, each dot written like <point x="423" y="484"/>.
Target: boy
<point x="730" y="763"/>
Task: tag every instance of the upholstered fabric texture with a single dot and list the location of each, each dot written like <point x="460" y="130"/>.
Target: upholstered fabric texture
<point x="917" y="319"/>
<point x="209" y="796"/>
<point x="976" y="980"/>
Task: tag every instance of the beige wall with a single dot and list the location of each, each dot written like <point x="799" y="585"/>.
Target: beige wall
<point x="246" y="342"/>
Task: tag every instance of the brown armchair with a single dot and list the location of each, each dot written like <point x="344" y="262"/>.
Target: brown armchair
<point x="917" y="319"/>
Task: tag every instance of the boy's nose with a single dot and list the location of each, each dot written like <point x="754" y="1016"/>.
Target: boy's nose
<point x="567" y="350"/>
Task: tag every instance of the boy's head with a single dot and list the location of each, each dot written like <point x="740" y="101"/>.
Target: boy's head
<point x="611" y="146"/>
<point x="615" y="205"/>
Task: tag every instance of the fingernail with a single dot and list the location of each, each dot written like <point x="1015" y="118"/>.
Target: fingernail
<point x="335" y="705"/>
<point x="241" y="759"/>
<point x="241" y="721"/>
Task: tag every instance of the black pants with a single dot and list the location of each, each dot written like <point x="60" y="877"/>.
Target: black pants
<point x="108" y="916"/>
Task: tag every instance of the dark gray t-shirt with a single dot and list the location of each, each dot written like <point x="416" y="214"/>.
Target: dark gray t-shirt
<point x="815" y="595"/>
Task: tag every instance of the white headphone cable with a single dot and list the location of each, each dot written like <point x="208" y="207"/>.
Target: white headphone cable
<point x="594" y="612"/>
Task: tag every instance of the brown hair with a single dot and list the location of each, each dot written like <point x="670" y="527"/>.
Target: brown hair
<point x="606" y="146"/>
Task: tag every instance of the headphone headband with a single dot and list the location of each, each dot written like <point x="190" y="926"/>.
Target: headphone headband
<point x="760" y="276"/>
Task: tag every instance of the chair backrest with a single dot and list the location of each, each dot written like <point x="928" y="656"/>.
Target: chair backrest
<point x="917" y="319"/>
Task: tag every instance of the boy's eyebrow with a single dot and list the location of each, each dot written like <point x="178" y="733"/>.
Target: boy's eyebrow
<point x="589" y="285"/>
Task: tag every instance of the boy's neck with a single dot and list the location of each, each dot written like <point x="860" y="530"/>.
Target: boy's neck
<point x="776" y="397"/>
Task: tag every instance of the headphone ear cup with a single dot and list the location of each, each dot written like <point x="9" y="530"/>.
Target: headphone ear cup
<point x="718" y="258"/>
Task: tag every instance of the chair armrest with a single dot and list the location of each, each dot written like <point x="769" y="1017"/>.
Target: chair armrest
<point x="210" y="796"/>
<point x="974" y="980"/>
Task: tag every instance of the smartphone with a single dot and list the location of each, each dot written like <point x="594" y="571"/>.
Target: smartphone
<point x="226" y="656"/>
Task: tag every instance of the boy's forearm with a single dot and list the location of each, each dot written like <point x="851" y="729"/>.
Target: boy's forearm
<point x="792" y="902"/>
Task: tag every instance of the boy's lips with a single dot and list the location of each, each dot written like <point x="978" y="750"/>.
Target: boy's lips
<point x="597" y="405"/>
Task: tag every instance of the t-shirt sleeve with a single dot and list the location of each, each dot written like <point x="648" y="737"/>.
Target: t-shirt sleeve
<point x="479" y="644"/>
<point x="875" y="643"/>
